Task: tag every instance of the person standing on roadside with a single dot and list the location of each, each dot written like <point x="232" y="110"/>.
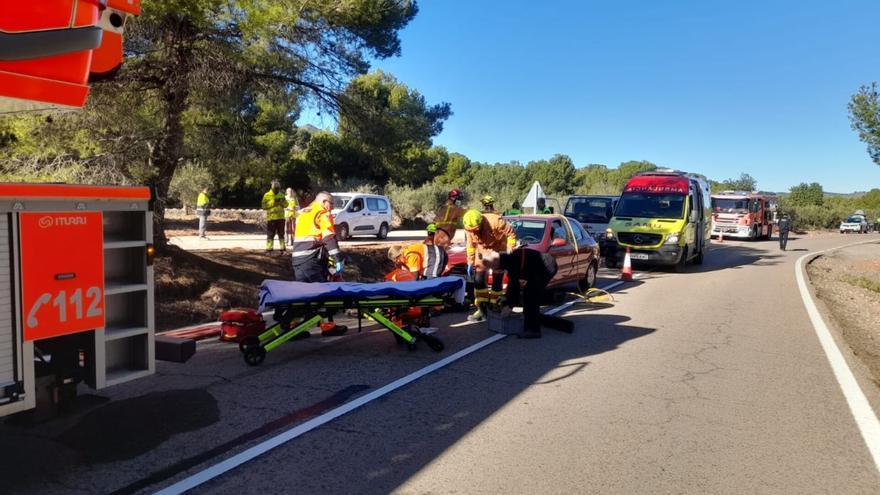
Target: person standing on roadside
<point x="290" y="215"/>
<point x="783" y="227"/>
<point x="203" y="210"/>
<point x="274" y="203"/>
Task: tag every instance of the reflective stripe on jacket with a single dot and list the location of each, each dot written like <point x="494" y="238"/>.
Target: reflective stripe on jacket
<point x="495" y="234"/>
<point x="448" y="218"/>
<point x="314" y="232"/>
<point x="274" y="204"/>
<point x="427" y="260"/>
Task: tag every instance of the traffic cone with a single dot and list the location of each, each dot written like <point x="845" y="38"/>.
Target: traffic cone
<point x="720" y="237"/>
<point x="626" y="273"/>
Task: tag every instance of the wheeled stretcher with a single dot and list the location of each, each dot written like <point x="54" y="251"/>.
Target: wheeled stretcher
<point x="310" y="303"/>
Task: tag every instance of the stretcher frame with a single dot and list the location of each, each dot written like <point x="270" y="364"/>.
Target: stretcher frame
<point x="309" y="314"/>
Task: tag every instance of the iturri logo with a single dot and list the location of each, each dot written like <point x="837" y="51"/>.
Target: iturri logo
<point x="48" y="221"/>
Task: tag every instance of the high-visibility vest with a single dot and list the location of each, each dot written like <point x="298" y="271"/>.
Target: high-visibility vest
<point x="202" y="201"/>
<point x="292" y="207"/>
<point x="427" y="260"/>
<point x="314" y="232"/>
<point x="274" y="204"/>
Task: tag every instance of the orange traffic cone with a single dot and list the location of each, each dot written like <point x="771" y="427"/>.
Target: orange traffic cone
<point x="626" y="273"/>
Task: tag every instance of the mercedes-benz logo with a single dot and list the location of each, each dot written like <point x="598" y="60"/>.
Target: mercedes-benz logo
<point x="638" y="239"/>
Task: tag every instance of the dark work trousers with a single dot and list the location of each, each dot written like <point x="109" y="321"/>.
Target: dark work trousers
<point x="314" y="269"/>
<point x="783" y="239"/>
<point x="273" y="228"/>
<point x="532" y="295"/>
<point x="481" y="284"/>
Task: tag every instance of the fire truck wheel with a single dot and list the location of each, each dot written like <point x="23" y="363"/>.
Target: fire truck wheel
<point x="433" y="342"/>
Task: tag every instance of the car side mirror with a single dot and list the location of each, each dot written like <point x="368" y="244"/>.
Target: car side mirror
<point x="558" y="242"/>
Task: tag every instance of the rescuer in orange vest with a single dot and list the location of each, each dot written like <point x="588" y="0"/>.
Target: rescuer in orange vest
<point x="448" y="218"/>
<point x="486" y="232"/>
<point x="423" y="259"/>
<point x="314" y="241"/>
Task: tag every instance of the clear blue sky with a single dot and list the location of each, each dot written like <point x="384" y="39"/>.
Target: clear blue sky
<point x="717" y="87"/>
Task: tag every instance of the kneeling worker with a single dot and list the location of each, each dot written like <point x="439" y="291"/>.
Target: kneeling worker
<point x="423" y="259"/>
<point x="536" y="270"/>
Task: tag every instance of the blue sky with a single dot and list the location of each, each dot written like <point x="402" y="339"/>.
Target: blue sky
<point x="717" y="87"/>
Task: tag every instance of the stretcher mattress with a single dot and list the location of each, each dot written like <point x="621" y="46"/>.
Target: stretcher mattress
<point x="280" y="292"/>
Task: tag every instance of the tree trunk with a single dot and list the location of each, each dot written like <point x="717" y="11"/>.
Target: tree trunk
<point x="169" y="151"/>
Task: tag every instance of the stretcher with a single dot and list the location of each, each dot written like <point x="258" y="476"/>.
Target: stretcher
<point x="307" y="304"/>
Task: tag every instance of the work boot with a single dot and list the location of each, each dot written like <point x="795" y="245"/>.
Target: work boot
<point x="335" y="331"/>
<point x="477" y="316"/>
<point x="529" y="334"/>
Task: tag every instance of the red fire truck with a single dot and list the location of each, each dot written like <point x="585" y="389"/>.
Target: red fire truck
<point x="76" y="277"/>
<point x="744" y="215"/>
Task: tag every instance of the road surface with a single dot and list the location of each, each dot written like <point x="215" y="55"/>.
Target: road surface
<point x="708" y="381"/>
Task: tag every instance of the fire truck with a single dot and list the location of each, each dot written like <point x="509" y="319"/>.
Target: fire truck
<point x="744" y="215"/>
<point x="76" y="276"/>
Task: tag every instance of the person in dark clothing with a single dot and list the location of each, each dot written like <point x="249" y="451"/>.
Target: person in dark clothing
<point x="783" y="227"/>
<point x="536" y="270"/>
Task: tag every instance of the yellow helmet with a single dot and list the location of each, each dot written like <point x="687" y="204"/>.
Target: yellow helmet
<point x="432" y="228"/>
<point x="487" y="200"/>
<point x="472" y="219"/>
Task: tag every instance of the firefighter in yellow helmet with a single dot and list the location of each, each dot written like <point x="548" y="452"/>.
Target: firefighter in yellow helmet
<point x="486" y="232"/>
<point x="488" y="203"/>
<point x="274" y="203"/>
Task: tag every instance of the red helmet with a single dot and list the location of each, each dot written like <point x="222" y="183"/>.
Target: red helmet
<point x="455" y="194"/>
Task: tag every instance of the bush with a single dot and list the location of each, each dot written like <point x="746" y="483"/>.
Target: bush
<point x="416" y="203"/>
<point x="188" y="182"/>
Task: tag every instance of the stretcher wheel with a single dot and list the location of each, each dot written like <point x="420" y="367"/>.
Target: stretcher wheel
<point x="254" y="356"/>
<point x="246" y="342"/>
<point x="434" y="343"/>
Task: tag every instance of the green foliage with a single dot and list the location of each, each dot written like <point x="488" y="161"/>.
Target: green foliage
<point x="188" y="181"/>
<point x="556" y="175"/>
<point x="806" y="194"/>
<point x="417" y="202"/>
<point x="745" y="182"/>
<point x="863" y="282"/>
<point x="599" y="179"/>
<point x="394" y="125"/>
<point x="864" y="115"/>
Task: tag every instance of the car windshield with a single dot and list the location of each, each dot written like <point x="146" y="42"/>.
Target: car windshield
<point x="727" y="205"/>
<point x="645" y="205"/>
<point x="590" y="210"/>
<point x="854" y="219"/>
<point x="529" y="231"/>
<point x="339" y="202"/>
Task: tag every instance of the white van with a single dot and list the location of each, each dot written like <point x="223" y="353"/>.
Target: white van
<point x="361" y="214"/>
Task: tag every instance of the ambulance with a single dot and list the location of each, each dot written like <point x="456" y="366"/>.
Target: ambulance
<point x="664" y="217"/>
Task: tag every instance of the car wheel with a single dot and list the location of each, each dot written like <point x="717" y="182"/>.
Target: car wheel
<point x="589" y="280"/>
<point x="383" y="231"/>
<point x="342" y="231"/>
<point x="682" y="261"/>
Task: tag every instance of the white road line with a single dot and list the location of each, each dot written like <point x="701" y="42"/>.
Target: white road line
<point x="261" y="448"/>
<point x="861" y="409"/>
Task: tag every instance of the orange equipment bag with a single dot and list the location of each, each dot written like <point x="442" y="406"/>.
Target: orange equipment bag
<point x="238" y="323"/>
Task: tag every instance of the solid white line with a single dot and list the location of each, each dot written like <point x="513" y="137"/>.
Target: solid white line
<point x="861" y="409"/>
<point x="284" y="437"/>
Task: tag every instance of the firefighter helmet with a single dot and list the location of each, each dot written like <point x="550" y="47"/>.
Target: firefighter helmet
<point x="472" y="219"/>
<point x="487" y="200"/>
<point x="455" y="194"/>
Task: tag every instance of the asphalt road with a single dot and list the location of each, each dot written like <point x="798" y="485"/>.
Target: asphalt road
<point x="709" y="381"/>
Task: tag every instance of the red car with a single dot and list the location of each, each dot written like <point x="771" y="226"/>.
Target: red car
<point x="576" y="253"/>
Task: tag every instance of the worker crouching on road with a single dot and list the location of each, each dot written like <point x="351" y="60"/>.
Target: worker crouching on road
<point x="486" y="232"/>
<point x="274" y="203"/>
<point x="448" y="218"/>
<point x="536" y="270"/>
<point x="423" y="260"/>
<point x="315" y="247"/>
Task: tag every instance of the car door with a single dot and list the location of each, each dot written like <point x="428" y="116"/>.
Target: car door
<point x="381" y="210"/>
<point x="564" y="254"/>
<point x="356" y="215"/>
<point x="586" y="247"/>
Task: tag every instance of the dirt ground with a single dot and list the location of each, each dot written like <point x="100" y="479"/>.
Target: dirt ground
<point x="848" y="282"/>
<point x="180" y="225"/>
<point x="194" y="288"/>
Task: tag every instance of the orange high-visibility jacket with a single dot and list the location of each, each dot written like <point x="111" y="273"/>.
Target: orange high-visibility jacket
<point x="314" y="233"/>
<point x="424" y="259"/>
<point x="495" y="234"/>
